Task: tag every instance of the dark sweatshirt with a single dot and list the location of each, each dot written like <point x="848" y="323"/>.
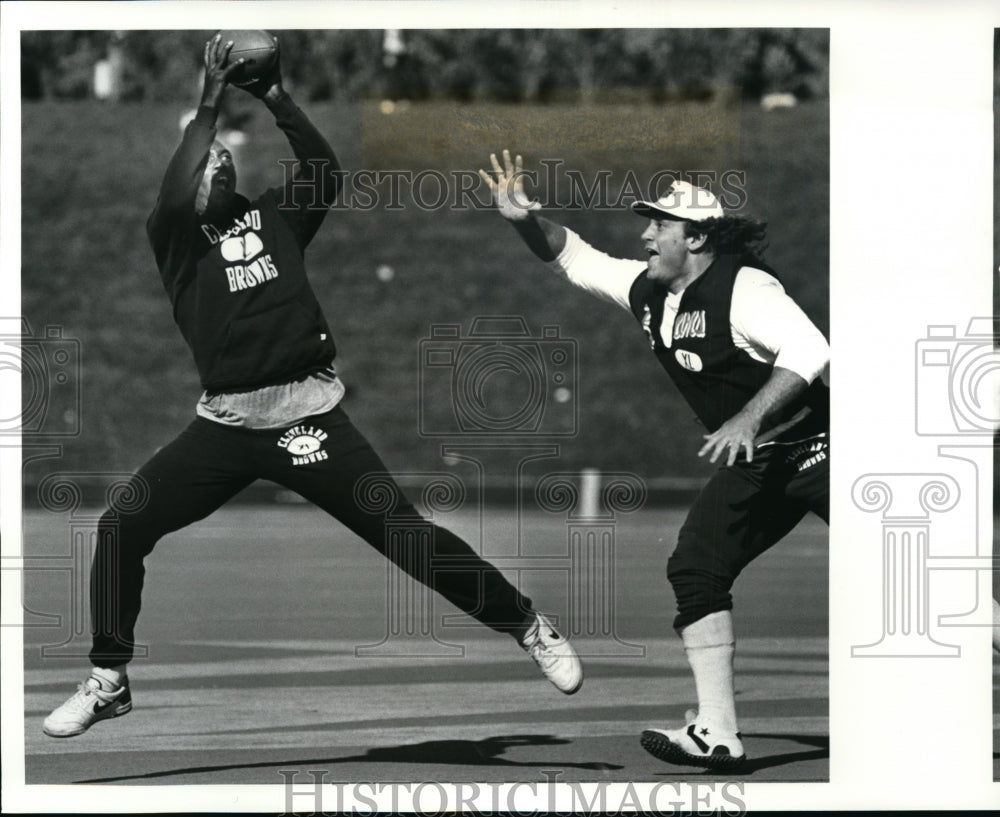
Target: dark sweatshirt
<point x="237" y="280"/>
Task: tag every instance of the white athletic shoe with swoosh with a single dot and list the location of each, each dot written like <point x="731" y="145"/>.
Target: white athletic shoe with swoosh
<point x="554" y="655"/>
<point x="89" y="704"/>
<point x="697" y="743"/>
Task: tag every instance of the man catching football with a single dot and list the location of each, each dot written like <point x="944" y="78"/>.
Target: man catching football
<point x="235" y="274"/>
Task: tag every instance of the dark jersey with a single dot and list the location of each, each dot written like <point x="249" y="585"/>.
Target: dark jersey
<point x="715" y="376"/>
<point x="238" y="282"/>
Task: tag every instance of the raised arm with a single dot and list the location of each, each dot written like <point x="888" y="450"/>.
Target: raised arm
<point x="565" y="252"/>
<point x="179" y="188"/>
<point x="308" y="193"/>
<point x="544" y="238"/>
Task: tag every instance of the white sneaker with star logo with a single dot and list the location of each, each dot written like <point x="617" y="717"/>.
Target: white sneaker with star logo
<point x="698" y="743"/>
<point x="554" y="655"/>
<point x="92" y="702"/>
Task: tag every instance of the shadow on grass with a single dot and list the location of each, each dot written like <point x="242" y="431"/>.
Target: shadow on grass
<point x="821" y="751"/>
<point x="454" y="752"/>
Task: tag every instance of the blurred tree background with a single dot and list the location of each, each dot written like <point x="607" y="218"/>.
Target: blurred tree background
<point x="512" y="65"/>
<point x="103" y="113"/>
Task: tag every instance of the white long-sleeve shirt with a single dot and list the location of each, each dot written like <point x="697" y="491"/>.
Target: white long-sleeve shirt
<point x="764" y="320"/>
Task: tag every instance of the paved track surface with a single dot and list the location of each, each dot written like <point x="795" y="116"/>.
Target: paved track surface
<point x="272" y="645"/>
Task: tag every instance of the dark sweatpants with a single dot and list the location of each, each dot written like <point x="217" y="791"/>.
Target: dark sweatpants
<point x="742" y="511"/>
<point x="208" y="463"/>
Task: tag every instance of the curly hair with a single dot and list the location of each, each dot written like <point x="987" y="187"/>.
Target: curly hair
<point x="736" y="235"/>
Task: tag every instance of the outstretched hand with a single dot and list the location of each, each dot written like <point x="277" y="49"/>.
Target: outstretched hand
<point x="218" y="70"/>
<point x="507" y="188"/>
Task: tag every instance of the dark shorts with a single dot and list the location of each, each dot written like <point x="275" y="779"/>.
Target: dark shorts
<point x="742" y="511"/>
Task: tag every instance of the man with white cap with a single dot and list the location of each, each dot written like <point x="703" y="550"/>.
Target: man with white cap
<point x="752" y="366"/>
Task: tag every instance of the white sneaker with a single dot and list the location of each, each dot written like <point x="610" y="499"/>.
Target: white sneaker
<point x="554" y="655"/>
<point x="696" y="744"/>
<point x="90" y="703"/>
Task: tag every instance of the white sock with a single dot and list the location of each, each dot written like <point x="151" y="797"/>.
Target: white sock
<point x="710" y="645"/>
<point x="113" y="676"/>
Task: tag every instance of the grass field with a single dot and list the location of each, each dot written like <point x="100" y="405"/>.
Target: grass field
<point x="90" y="174"/>
<point x="256" y="661"/>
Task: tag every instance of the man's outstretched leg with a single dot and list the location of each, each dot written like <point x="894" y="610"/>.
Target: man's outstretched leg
<point x="449" y="565"/>
<point x="182" y="483"/>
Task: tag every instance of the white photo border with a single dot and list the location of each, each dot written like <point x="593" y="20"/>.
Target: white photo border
<point x="911" y="103"/>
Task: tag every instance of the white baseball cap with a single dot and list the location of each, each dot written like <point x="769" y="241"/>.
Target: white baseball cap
<point x="684" y="201"/>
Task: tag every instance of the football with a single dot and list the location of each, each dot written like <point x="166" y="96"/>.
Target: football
<point x="259" y="50"/>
